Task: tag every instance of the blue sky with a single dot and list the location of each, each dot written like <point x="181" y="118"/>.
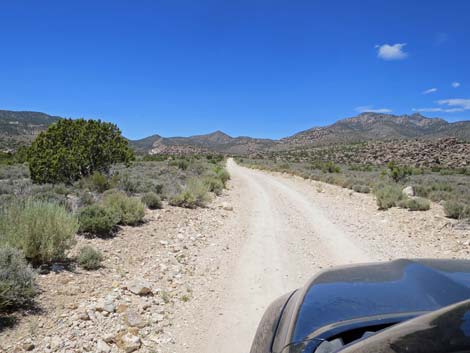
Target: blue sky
<point x="264" y="68"/>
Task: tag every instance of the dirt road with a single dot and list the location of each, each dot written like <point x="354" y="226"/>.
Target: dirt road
<point x="286" y="237"/>
<point x="283" y="230"/>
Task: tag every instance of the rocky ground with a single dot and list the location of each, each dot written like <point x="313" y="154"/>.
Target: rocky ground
<point x="199" y="280"/>
<point x="128" y="305"/>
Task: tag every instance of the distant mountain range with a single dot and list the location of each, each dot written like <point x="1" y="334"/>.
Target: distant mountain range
<point x="377" y="126"/>
<point x="213" y="142"/>
<point x="364" y="127"/>
<point x="18" y="128"/>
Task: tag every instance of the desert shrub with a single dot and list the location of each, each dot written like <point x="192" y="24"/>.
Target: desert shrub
<point x="361" y="167"/>
<point x="398" y="173"/>
<point x="71" y="149"/>
<point x="214" y="184"/>
<point x="152" y="200"/>
<point x="129" y="184"/>
<point x="388" y="196"/>
<point x="86" y="199"/>
<point x="330" y="167"/>
<point x="99" y="182"/>
<point x="197" y="168"/>
<point x="436" y="191"/>
<point x="17" y="286"/>
<point x="95" y="182"/>
<point x="7" y="188"/>
<point x="17" y="171"/>
<point x="415" y="204"/>
<point x="456" y="209"/>
<point x="222" y="174"/>
<point x="437" y="196"/>
<point x="364" y="189"/>
<point x="89" y="258"/>
<point x="97" y="219"/>
<point x="447" y="172"/>
<point x="51" y="197"/>
<point x="340" y="180"/>
<point x="43" y="231"/>
<point x="195" y="194"/>
<point x="182" y="164"/>
<point x="131" y="210"/>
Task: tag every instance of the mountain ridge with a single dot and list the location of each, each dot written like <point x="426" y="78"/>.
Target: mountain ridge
<point x="378" y="126"/>
<point x="17" y="128"/>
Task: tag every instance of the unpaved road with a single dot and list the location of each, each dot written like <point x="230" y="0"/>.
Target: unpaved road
<point x="282" y="231"/>
<point x="286" y="237"/>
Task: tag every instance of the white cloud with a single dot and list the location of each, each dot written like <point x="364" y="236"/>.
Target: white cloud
<point x="435" y="110"/>
<point x="456" y="102"/>
<point x="452" y="105"/>
<point x="391" y="52"/>
<point x="431" y="90"/>
<point x="455" y="84"/>
<point x="370" y="109"/>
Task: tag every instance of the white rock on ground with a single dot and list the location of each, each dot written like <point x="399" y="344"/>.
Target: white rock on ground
<point x="409" y="191"/>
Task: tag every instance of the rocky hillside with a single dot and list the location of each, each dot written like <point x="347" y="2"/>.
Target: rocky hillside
<point x="441" y="152"/>
<point x="375" y="126"/>
<point x="20" y="128"/>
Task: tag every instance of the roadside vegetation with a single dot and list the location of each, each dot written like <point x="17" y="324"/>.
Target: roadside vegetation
<point x="446" y="186"/>
<point x="80" y="178"/>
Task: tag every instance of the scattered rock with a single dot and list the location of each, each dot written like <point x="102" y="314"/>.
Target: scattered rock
<point x="226" y="206"/>
<point x="128" y="342"/>
<point x="139" y="287"/>
<point x="102" y="347"/>
<point x="134" y="319"/>
<point x="83" y="315"/>
<point x="56" y="343"/>
<point x="409" y="191"/>
<point x="121" y="308"/>
<point x="106" y="305"/>
<point x="28" y="345"/>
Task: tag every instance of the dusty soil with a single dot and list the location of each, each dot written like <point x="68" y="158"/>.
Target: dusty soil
<point x="213" y="271"/>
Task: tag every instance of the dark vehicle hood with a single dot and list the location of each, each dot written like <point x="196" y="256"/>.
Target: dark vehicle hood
<point x="380" y="289"/>
<point x="443" y="331"/>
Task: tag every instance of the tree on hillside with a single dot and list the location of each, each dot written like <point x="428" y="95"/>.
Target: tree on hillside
<point x="71" y="149"/>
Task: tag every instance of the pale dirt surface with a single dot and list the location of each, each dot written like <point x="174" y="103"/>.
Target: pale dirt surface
<point x="282" y="231"/>
<point x="213" y="271"/>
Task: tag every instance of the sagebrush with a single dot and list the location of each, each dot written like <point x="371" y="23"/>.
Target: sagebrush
<point x="152" y="200"/>
<point x="98" y="219"/>
<point x="89" y="258"/>
<point x="43" y="231"/>
<point x="17" y="280"/>
<point x="131" y="210"/>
